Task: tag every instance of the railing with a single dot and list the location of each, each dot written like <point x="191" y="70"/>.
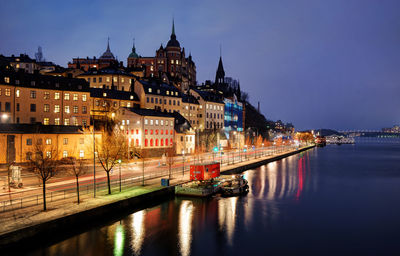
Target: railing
<point x="226" y="159"/>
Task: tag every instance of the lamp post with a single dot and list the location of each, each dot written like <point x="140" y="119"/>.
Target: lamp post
<point x="119" y="161"/>
<point x="183" y="157"/>
<point x="94" y="161"/>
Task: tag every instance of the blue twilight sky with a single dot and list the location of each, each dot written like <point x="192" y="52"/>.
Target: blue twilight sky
<point x="319" y="64"/>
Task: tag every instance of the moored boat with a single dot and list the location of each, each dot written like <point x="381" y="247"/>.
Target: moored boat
<point x="234" y="186"/>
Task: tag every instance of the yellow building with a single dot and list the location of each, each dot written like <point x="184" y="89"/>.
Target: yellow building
<point x="18" y="142"/>
<point x="109" y="78"/>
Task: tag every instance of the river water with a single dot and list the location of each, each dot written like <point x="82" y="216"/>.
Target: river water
<point x="335" y="200"/>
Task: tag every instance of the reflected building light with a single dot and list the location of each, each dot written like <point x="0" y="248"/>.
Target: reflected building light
<point x="248" y="208"/>
<point x="119" y="240"/>
<point x="138" y="231"/>
<point x="263" y="178"/>
<point x="227" y="217"/>
<point x="185" y="227"/>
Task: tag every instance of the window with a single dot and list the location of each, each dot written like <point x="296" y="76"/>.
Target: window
<point x="7" y="80"/>
<point x="17" y="93"/>
<point x="75" y="97"/>
<point x="28" y="155"/>
<point x="84" y="110"/>
<point x="48" y="141"/>
<point x="56" y="108"/>
<point x="48" y="154"/>
<point x="57" y="96"/>
<point x="156" y="142"/>
<point x="66" y="96"/>
<point x="7" y="92"/>
<point x="169" y="102"/>
<point x="145" y="131"/>
<point x="66" y="121"/>
<point x="151" y="142"/>
<point x="94" y="79"/>
<point x="33" y="107"/>
<point x="75" y="109"/>
<point x="57" y="121"/>
<point x="151" y="121"/>
<point x="46" y="95"/>
<point x="84" y="97"/>
<point x="17" y="107"/>
<point x="46" y="121"/>
<point x="147" y="99"/>
<point x="88" y="79"/>
<point x="66" y="109"/>
<point x="39" y="141"/>
<point x="145" y="142"/>
<point x="75" y="121"/>
<point x="84" y="122"/>
<point x="33" y="120"/>
<point x="152" y="100"/>
<point x="81" y="153"/>
<point x="46" y="108"/>
<point x="166" y="142"/>
<point x="33" y="94"/>
<point x="156" y="121"/>
<point x="65" y="153"/>
<point x="166" y="122"/>
<point x="167" y="92"/>
<point x="156" y="100"/>
<point x="100" y="79"/>
<point x="65" y="141"/>
<point x="28" y="142"/>
<point x="145" y="121"/>
<point x="151" y="132"/>
<point x="150" y="90"/>
<point x="174" y="102"/>
<point x="162" y="122"/>
<point x="8" y="107"/>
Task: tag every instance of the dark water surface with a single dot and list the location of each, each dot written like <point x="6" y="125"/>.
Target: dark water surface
<point x="336" y="200"/>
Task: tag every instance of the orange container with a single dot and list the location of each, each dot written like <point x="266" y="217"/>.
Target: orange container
<point x="204" y="171"/>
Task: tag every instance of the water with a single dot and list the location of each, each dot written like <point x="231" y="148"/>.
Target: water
<point x="336" y="200"/>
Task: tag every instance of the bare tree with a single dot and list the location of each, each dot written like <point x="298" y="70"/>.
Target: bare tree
<point x="170" y="154"/>
<point x="110" y="148"/>
<point x="143" y="155"/>
<point x="77" y="168"/>
<point x="44" y="164"/>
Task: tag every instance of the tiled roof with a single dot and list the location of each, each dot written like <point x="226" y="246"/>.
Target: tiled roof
<point x="113" y="94"/>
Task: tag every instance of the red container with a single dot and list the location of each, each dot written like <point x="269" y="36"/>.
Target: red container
<point x="204" y="171"/>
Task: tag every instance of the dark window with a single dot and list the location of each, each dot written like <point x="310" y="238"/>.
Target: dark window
<point x="147" y="99"/>
<point x="8" y="107"/>
<point x="152" y="100"/>
<point x="17" y="106"/>
<point x="28" y="141"/>
<point x="33" y="120"/>
<point x="28" y="155"/>
<point x="17" y="120"/>
<point x="33" y="107"/>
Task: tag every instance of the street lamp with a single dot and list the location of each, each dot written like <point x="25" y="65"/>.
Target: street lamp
<point x="183" y="156"/>
<point x="119" y="161"/>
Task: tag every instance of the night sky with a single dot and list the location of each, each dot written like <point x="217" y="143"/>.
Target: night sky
<point x="318" y="64"/>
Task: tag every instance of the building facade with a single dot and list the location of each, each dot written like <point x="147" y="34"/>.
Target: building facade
<point x="32" y="98"/>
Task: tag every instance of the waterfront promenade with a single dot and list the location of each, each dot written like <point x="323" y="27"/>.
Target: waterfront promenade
<point x="26" y="218"/>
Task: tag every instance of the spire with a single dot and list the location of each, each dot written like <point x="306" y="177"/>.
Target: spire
<point x="173" y="27"/>
<point x="108" y="45"/>
<point x="133" y="46"/>
<point x="220" y="75"/>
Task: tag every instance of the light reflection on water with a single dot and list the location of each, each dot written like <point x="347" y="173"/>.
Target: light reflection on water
<point x="290" y="203"/>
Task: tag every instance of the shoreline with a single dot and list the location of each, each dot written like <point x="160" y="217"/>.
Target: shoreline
<point x="79" y="218"/>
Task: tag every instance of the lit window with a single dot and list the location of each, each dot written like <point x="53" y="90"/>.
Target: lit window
<point x="75" y="97"/>
<point x="84" y="97"/>
<point x="57" y="96"/>
<point x="48" y="141"/>
<point x="145" y="121"/>
<point x="66" y="96"/>
<point x="33" y="94"/>
<point x="66" y="109"/>
<point x="48" y="154"/>
<point x="66" y="121"/>
<point x="17" y="93"/>
<point x="46" y="95"/>
<point x="81" y="140"/>
<point x="76" y="122"/>
<point x="151" y="122"/>
<point x="65" y="141"/>
<point x="156" y="122"/>
<point x="65" y="153"/>
<point x="162" y="122"/>
<point x="46" y="108"/>
<point x="46" y="121"/>
<point x="56" y="108"/>
<point x="81" y="154"/>
<point x="57" y="121"/>
<point x="76" y="109"/>
<point x="7" y="80"/>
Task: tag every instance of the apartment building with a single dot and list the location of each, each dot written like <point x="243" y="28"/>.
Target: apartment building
<point x="32" y="98"/>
